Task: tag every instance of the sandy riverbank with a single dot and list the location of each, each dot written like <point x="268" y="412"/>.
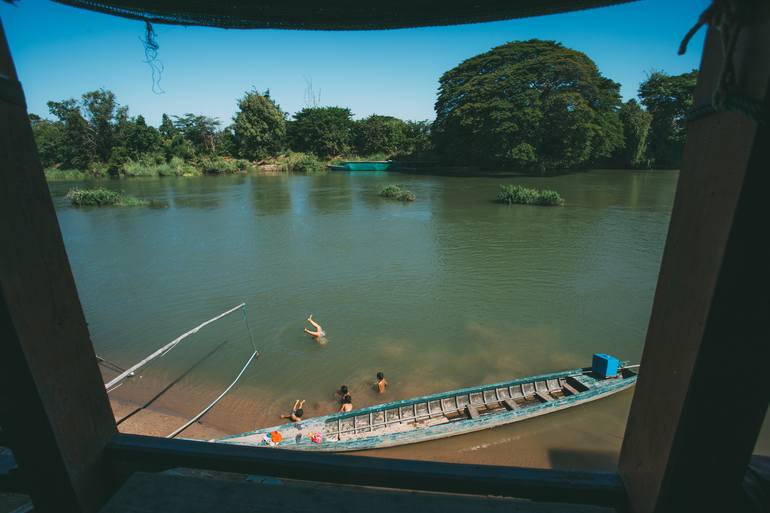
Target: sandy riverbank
<point x="156" y="422"/>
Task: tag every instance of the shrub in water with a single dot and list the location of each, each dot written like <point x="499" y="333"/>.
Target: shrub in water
<point x="100" y="197"/>
<point x="525" y="196"/>
<point x="397" y="193"/>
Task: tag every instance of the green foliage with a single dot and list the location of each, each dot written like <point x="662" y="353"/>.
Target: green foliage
<point x="668" y="99"/>
<point x="323" y="131"/>
<point x="259" y="127"/>
<point x="511" y="194"/>
<point x="304" y="163"/>
<point x="152" y="165"/>
<point x="532" y="105"/>
<point x="397" y="193"/>
<point x="224" y="165"/>
<point x="100" y="197"/>
<point x="139" y="139"/>
<point x="49" y="137"/>
<point x="54" y="174"/>
<point x="380" y="134"/>
<point x="636" y="130"/>
<point x="200" y="131"/>
<point x="77" y="146"/>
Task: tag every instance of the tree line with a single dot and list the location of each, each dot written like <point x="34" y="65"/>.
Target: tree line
<point x="533" y="106"/>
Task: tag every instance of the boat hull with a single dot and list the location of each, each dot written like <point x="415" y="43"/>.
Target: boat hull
<point x="440" y="424"/>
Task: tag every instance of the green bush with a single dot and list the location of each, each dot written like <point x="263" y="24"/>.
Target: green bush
<point x="53" y="173"/>
<point x="100" y="197"/>
<point x="397" y="193"/>
<point x="511" y="194"/>
<point x="98" y="170"/>
<point x="223" y="165"/>
<point x="177" y="167"/>
<point x="304" y="163"/>
<point x="151" y="165"/>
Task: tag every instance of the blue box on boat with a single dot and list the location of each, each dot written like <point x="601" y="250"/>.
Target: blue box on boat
<point x="605" y="366"/>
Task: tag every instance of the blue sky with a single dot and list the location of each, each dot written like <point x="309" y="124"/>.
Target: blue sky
<point x="61" y="52"/>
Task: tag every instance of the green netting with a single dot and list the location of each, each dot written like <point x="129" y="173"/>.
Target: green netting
<point x="330" y="14"/>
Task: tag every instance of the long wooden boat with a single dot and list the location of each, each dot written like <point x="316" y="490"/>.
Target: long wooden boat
<point x="440" y="415"/>
<point x="362" y="165"/>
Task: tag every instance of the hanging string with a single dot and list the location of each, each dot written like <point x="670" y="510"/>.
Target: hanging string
<point x="728" y="17"/>
<point x="151" y="47"/>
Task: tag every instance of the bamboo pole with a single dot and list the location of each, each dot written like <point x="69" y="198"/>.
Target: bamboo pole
<point x="120" y="377"/>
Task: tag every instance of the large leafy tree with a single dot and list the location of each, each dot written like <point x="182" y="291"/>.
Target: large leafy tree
<point x="50" y="140"/>
<point x="380" y="134"/>
<point x="667" y="98"/>
<point x="78" y="147"/>
<point x="139" y="138"/>
<point x="533" y="105"/>
<point x="199" y="130"/>
<point x="324" y="131"/>
<point x="636" y="130"/>
<point x="259" y="126"/>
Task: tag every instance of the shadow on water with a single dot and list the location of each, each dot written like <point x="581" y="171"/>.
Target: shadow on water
<point x="582" y="459"/>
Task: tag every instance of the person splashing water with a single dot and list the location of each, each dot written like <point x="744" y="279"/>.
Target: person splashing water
<point x="319" y="334"/>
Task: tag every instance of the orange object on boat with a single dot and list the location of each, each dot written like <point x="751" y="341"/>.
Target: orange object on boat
<point x="275" y="436"/>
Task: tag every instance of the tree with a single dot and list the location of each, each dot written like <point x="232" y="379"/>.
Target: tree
<point x="49" y="138"/>
<point x="533" y="105"/>
<point x="668" y="98"/>
<point x="77" y="144"/>
<point x="380" y="134"/>
<point x="138" y="138"/>
<point x="199" y="131"/>
<point x="259" y="126"/>
<point x="101" y="111"/>
<point x="636" y="130"/>
<point x="167" y="129"/>
<point x="324" y="131"/>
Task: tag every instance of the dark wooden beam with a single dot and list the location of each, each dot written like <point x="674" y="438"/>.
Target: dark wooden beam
<point x="57" y="418"/>
<point x="132" y="453"/>
<point x="702" y="392"/>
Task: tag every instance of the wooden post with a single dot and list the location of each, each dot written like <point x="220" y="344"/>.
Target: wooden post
<point x="702" y="391"/>
<point x="58" y="418"/>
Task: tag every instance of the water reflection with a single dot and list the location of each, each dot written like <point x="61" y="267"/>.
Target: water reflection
<point x="270" y="195"/>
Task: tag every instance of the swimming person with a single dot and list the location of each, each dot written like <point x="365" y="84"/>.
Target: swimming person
<point x="381" y="383"/>
<point x="342" y="392"/>
<point x="296" y="411"/>
<point x="319" y="332"/>
<point x="347" y="403"/>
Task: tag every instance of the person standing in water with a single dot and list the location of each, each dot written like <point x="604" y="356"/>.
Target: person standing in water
<point x="347" y="403"/>
<point x="319" y="332"/>
<point x="381" y="383"/>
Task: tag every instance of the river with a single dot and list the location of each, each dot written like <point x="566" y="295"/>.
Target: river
<point x="449" y="291"/>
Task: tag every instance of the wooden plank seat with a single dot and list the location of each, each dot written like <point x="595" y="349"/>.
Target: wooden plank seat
<point x="509" y="404"/>
<point x="471" y="411"/>
<point x="543" y="397"/>
<point x="569" y="388"/>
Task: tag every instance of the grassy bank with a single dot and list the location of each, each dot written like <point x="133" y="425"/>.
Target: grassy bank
<point x="397" y="193"/>
<point x="101" y="197"/>
<point x="511" y="194"/>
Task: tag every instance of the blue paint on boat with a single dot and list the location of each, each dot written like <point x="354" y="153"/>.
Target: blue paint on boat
<point x="361" y="165"/>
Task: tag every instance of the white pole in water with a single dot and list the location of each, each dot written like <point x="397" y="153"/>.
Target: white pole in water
<point x="120" y="377"/>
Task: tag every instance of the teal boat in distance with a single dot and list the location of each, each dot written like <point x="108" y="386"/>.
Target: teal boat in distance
<point x="362" y="165"/>
<point x="442" y="415"/>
